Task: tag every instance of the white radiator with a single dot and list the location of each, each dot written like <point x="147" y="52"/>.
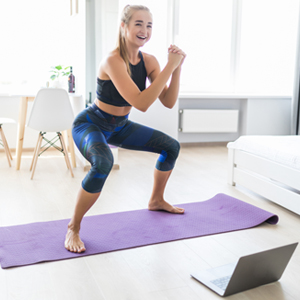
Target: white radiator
<point x="208" y="120"/>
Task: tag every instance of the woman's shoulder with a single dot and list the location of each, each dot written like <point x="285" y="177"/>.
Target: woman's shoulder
<point x="113" y="56"/>
<point x="148" y="57"/>
<point x="112" y="61"/>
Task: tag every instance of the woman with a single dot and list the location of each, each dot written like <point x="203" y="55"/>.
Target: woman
<point x="121" y="85"/>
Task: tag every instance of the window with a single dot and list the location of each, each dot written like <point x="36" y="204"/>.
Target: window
<point x="204" y="33"/>
<point x="268" y="46"/>
<point x="239" y="46"/>
<point x="34" y="37"/>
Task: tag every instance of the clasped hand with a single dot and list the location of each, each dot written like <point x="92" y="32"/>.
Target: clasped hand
<point x="177" y="59"/>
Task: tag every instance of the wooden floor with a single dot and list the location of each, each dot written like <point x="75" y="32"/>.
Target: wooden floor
<point x="157" y="272"/>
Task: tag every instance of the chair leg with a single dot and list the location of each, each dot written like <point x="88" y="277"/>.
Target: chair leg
<point x="62" y="144"/>
<point x="5" y="141"/>
<point x="34" y="161"/>
<point x="6" y="149"/>
<point x="71" y="147"/>
<point x="36" y="149"/>
<point x="65" y="151"/>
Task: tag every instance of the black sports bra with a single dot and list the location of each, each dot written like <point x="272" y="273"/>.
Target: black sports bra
<point x="107" y="92"/>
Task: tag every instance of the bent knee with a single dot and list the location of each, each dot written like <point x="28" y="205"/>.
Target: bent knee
<point x="173" y="151"/>
<point x="102" y="165"/>
<point x="96" y="177"/>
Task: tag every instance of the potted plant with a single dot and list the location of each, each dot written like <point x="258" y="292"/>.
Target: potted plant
<point x="57" y="74"/>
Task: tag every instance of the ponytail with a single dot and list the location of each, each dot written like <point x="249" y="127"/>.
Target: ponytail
<point x="121" y="43"/>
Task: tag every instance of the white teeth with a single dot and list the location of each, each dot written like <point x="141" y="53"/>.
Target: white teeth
<point x="141" y="37"/>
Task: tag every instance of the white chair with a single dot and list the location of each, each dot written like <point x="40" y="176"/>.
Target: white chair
<point x="4" y="141"/>
<point x="51" y="112"/>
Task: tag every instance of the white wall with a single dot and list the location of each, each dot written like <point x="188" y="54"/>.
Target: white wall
<point x="101" y="35"/>
<point x="158" y="117"/>
<point x="107" y="23"/>
<point x="269" y="116"/>
<point x="90" y="42"/>
<point x="258" y="115"/>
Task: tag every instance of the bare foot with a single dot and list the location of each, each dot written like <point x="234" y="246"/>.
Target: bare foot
<point x="73" y="242"/>
<point x="163" y="205"/>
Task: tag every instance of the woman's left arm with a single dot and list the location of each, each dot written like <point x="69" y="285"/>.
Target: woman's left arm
<point x="169" y="95"/>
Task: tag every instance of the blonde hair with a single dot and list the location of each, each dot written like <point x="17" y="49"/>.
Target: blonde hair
<point x="126" y="16"/>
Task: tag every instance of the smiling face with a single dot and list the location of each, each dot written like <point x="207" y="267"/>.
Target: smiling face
<point x="139" y="29"/>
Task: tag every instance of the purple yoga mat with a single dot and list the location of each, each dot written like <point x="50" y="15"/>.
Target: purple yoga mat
<point x="44" y="241"/>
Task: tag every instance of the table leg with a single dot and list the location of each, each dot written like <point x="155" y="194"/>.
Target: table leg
<point x="21" y="130"/>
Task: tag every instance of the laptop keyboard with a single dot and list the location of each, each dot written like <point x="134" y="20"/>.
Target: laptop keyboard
<point x="221" y="282"/>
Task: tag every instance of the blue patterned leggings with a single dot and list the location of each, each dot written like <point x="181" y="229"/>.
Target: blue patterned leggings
<point x="93" y="129"/>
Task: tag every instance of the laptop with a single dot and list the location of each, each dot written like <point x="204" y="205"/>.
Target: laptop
<point x="249" y="272"/>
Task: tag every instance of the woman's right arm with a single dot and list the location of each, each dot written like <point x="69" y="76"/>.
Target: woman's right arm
<point x="115" y="69"/>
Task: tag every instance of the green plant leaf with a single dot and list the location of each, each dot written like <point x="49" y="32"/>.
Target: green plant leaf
<point x="58" y="71"/>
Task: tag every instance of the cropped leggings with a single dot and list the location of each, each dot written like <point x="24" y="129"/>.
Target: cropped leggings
<point x="93" y="129"/>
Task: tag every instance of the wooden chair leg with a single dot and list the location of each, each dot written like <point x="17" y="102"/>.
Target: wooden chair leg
<point x="71" y="147"/>
<point x="65" y="151"/>
<point x="62" y="144"/>
<point x="5" y="146"/>
<point x="40" y="139"/>
<point x="63" y="138"/>
<point x="36" y="149"/>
